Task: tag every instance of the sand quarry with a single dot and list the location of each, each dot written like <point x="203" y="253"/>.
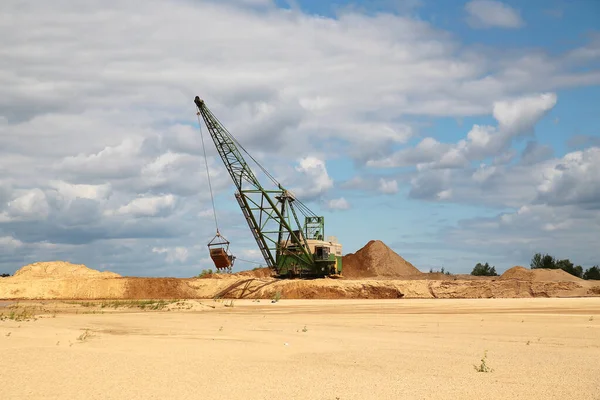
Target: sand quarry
<point x="384" y="331"/>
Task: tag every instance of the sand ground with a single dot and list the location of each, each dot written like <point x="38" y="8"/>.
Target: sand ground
<point x="306" y="349"/>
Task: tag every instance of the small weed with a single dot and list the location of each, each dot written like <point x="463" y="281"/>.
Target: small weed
<point x="276" y="297"/>
<point x="221" y="329"/>
<point x="528" y="342"/>
<point x="591" y="318"/>
<point x="84" y="336"/>
<point x="24" y="315"/>
<point x="141" y="304"/>
<point x="483" y="367"/>
<point x="8" y="334"/>
<point x="205" y="272"/>
<point x="231" y="304"/>
<point x="304" y="329"/>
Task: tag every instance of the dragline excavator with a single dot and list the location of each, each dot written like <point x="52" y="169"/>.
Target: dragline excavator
<point x="289" y="248"/>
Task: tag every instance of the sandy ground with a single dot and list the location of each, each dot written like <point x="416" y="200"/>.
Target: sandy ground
<point x="304" y="349"/>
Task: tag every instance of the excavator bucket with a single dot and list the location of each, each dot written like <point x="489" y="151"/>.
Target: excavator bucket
<point x="219" y="253"/>
<point x="220" y="257"/>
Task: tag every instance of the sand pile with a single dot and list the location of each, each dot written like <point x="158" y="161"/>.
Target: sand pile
<point x="376" y="260"/>
<point x="538" y="275"/>
<point x="264" y="272"/>
<point x="61" y="270"/>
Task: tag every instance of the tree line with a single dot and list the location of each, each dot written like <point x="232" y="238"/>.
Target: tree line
<point x="4" y="275"/>
<point x="540" y="260"/>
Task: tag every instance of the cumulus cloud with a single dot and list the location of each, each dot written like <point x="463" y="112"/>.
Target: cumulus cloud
<point x="174" y="254"/>
<point x="145" y="206"/>
<point x="516" y="118"/>
<point x="338" y="204"/>
<point x="565" y="232"/>
<point x="31" y="205"/>
<point x="315" y="178"/>
<point x="491" y="13"/>
<point x="388" y="186"/>
<point x="572" y="180"/>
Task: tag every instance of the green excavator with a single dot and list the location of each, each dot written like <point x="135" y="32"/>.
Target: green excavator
<point x="290" y="249"/>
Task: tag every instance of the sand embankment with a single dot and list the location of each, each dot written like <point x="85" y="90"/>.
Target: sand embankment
<point x="96" y="286"/>
<point x="373" y="272"/>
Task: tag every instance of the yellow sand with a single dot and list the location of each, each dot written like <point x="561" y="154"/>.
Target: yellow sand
<point x="303" y="349"/>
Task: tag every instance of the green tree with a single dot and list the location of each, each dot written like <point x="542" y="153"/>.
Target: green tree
<point x="592" y="273"/>
<point x="4" y="275"/>
<point x="484" y="270"/>
<point x="567" y="266"/>
<point x="543" y="261"/>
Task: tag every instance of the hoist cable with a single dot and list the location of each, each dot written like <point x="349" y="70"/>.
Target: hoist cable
<point x="248" y="261"/>
<point x="208" y="173"/>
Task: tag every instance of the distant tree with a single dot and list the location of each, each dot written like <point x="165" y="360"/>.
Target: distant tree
<point x="484" y="270"/>
<point x="592" y="273"/>
<point x="567" y="266"/>
<point x="543" y="261"/>
<point x="547" y="261"/>
<point x="4" y="275"/>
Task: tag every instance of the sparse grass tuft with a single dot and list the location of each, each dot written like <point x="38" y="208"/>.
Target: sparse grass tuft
<point x="205" y="272"/>
<point x="84" y="336"/>
<point x="483" y="367"/>
<point x="141" y="304"/>
<point x="24" y="315"/>
<point x="304" y="329"/>
<point x="276" y="297"/>
<point x="231" y="304"/>
<point x="591" y="318"/>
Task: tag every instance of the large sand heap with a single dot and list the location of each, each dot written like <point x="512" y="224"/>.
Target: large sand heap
<point x="377" y="260"/>
<point x="61" y="270"/>
<point x="538" y="275"/>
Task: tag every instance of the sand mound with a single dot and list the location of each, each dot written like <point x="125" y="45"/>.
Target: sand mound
<point x="265" y="272"/>
<point x="61" y="269"/>
<point x="538" y="275"/>
<point x="377" y="260"/>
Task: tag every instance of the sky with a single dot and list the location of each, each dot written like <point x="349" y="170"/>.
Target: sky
<point x="456" y="132"/>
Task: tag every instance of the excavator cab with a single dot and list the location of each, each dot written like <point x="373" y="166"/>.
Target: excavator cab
<point x="218" y="248"/>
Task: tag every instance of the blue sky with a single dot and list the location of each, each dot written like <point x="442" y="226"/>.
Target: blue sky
<point x="456" y="132"/>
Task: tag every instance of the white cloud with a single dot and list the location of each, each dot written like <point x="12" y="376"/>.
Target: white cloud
<point x="565" y="232"/>
<point x="9" y="242"/>
<point x="315" y="179"/>
<point x="444" y="194"/>
<point x="338" y="204"/>
<point x="145" y="206"/>
<point x="572" y="180"/>
<point x="516" y="118"/>
<point x="491" y="13"/>
<point x="173" y="254"/>
<point x="520" y="115"/>
<point x="388" y="186"/>
<point x="483" y="173"/>
<point x="31" y="205"/>
<point x="74" y="191"/>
